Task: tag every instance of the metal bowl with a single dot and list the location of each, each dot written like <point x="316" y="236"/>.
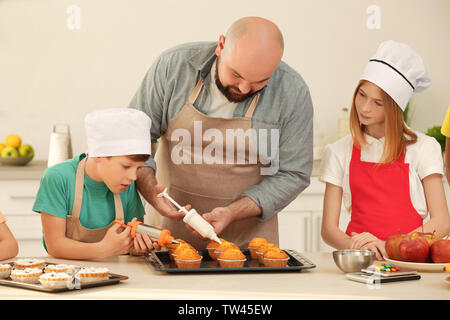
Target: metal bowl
<point x="353" y="260"/>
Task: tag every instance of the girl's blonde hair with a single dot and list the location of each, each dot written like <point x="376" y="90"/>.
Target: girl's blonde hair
<point x="397" y="135"/>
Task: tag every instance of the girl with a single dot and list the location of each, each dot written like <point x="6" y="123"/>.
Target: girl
<point x="8" y="244"/>
<point x="388" y="175"/>
<point x="78" y="199"/>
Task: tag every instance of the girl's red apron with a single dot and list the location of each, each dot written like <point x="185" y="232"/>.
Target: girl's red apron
<point x="381" y="201"/>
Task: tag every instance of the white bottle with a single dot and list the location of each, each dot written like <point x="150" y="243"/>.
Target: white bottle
<point x="343" y="123"/>
<point x="196" y="221"/>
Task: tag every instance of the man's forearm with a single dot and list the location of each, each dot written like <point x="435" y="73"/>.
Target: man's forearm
<point x="244" y="208"/>
<point x="146" y="182"/>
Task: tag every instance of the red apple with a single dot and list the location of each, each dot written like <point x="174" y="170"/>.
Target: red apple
<point x="440" y="251"/>
<point x="414" y="249"/>
<point x="392" y="244"/>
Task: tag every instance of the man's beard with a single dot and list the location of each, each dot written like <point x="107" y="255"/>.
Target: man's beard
<point x="231" y="96"/>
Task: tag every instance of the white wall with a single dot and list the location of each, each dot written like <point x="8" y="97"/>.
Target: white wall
<point x="50" y="73"/>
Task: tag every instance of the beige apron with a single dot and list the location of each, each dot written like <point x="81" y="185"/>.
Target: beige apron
<point x="207" y="186"/>
<point x="74" y="229"/>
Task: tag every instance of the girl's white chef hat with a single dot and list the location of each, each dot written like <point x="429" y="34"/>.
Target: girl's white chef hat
<point x="117" y="132"/>
<point x="398" y="70"/>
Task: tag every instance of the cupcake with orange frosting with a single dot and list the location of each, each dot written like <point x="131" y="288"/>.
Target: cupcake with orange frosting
<point x="275" y="257"/>
<point x="172" y="246"/>
<point x="254" y="245"/>
<point x="262" y="249"/>
<point x="232" y="258"/>
<point x="180" y="248"/>
<point x="211" y="247"/>
<point x="222" y="247"/>
<point x="188" y="258"/>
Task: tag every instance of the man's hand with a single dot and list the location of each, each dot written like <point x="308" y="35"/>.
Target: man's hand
<point x="165" y="207"/>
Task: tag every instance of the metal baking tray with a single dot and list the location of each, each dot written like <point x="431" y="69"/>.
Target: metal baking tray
<point x="160" y="261"/>
<point x="113" y="278"/>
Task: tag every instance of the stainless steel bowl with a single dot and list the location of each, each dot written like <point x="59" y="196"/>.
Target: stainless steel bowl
<point x="349" y="260"/>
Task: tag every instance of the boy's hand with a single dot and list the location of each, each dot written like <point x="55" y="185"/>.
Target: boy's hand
<point x="115" y="242"/>
<point x="142" y="244"/>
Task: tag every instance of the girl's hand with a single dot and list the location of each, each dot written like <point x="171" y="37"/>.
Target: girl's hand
<point x="367" y="241"/>
<point x="378" y="247"/>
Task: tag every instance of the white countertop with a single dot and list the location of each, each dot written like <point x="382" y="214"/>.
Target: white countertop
<point x="325" y="281"/>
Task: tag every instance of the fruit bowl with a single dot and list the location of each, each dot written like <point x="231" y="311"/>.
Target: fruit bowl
<point x="349" y="260"/>
<point x="15" y="161"/>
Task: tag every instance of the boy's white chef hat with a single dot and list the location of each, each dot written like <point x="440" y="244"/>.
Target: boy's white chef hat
<point x="398" y="70"/>
<point x="117" y="132"/>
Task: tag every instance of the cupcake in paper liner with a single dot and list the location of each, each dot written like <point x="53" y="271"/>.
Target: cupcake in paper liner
<point x="28" y="263"/>
<point x="91" y="274"/>
<point x="55" y="280"/>
<point x="28" y="275"/>
<point x="5" y="270"/>
<point x="232" y="258"/>
<point x="69" y="269"/>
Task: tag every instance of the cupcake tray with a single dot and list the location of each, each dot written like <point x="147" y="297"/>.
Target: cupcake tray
<point x="113" y="278"/>
<point x="160" y="261"/>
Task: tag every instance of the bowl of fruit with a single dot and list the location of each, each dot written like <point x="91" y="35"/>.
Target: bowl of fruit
<point x="14" y="153"/>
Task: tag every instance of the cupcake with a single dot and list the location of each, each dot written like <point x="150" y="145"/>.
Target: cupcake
<point x="5" y="270"/>
<point x="28" y="263"/>
<point x="172" y="246"/>
<point x="211" y="247"/>
<point x="55" y="280"/>
<point x="91" y="274"/>
<point x="188" y="258"/>
<point x="262" y="249"/>
<point x="275" y="257"/>
<point x="28" y="275"/>
<point x="180" y="248"/>
<point x="254" y="245"/>
<point x="221" y="248"/>
<point x="232" y="258"/>
<point x="69" y="269"/>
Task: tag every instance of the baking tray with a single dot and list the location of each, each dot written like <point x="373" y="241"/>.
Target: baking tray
<point x="160" y="261"/>
<point x="113" y="278"/>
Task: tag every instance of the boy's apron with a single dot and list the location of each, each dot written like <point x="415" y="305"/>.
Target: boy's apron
<point x="74" y="229"/>
<point x="208" y="186"/>
<point x="381" y="201"/>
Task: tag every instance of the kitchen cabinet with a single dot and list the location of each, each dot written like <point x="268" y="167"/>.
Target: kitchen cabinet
<point x="18" y="188"/>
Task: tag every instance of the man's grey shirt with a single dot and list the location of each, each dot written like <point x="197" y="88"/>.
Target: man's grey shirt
<point x="284" y="104"/>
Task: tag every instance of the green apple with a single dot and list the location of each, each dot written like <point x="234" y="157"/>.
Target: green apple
<point x="26" y="150"/>
<point x="10" y="152"/>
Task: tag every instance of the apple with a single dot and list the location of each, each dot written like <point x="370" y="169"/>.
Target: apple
<point x="392" y="244"/>
<point x="414" y="249"/>
<point x="10" y="152"/>
<point x="440" y="251"/>
<point x="2" y="146"/>
<point x="430" y="237"/>
<point x="26" y="150"/>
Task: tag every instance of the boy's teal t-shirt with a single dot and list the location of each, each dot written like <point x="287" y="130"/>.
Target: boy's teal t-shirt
<point x="56" y="195"/>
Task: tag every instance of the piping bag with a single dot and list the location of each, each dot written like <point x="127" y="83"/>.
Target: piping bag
<point x="194" y="219"/>
<point x="164" y="237"/>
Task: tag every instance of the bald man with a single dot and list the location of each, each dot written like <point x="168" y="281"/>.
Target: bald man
<point x="234" y="126"/>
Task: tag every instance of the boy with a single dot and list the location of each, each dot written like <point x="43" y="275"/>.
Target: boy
<point x="80" y="198"/>
<point x="8" y="244"/>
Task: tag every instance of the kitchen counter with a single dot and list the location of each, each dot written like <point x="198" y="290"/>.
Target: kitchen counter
<point x="325" y="281"/>
<point x="32" y="170"/>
